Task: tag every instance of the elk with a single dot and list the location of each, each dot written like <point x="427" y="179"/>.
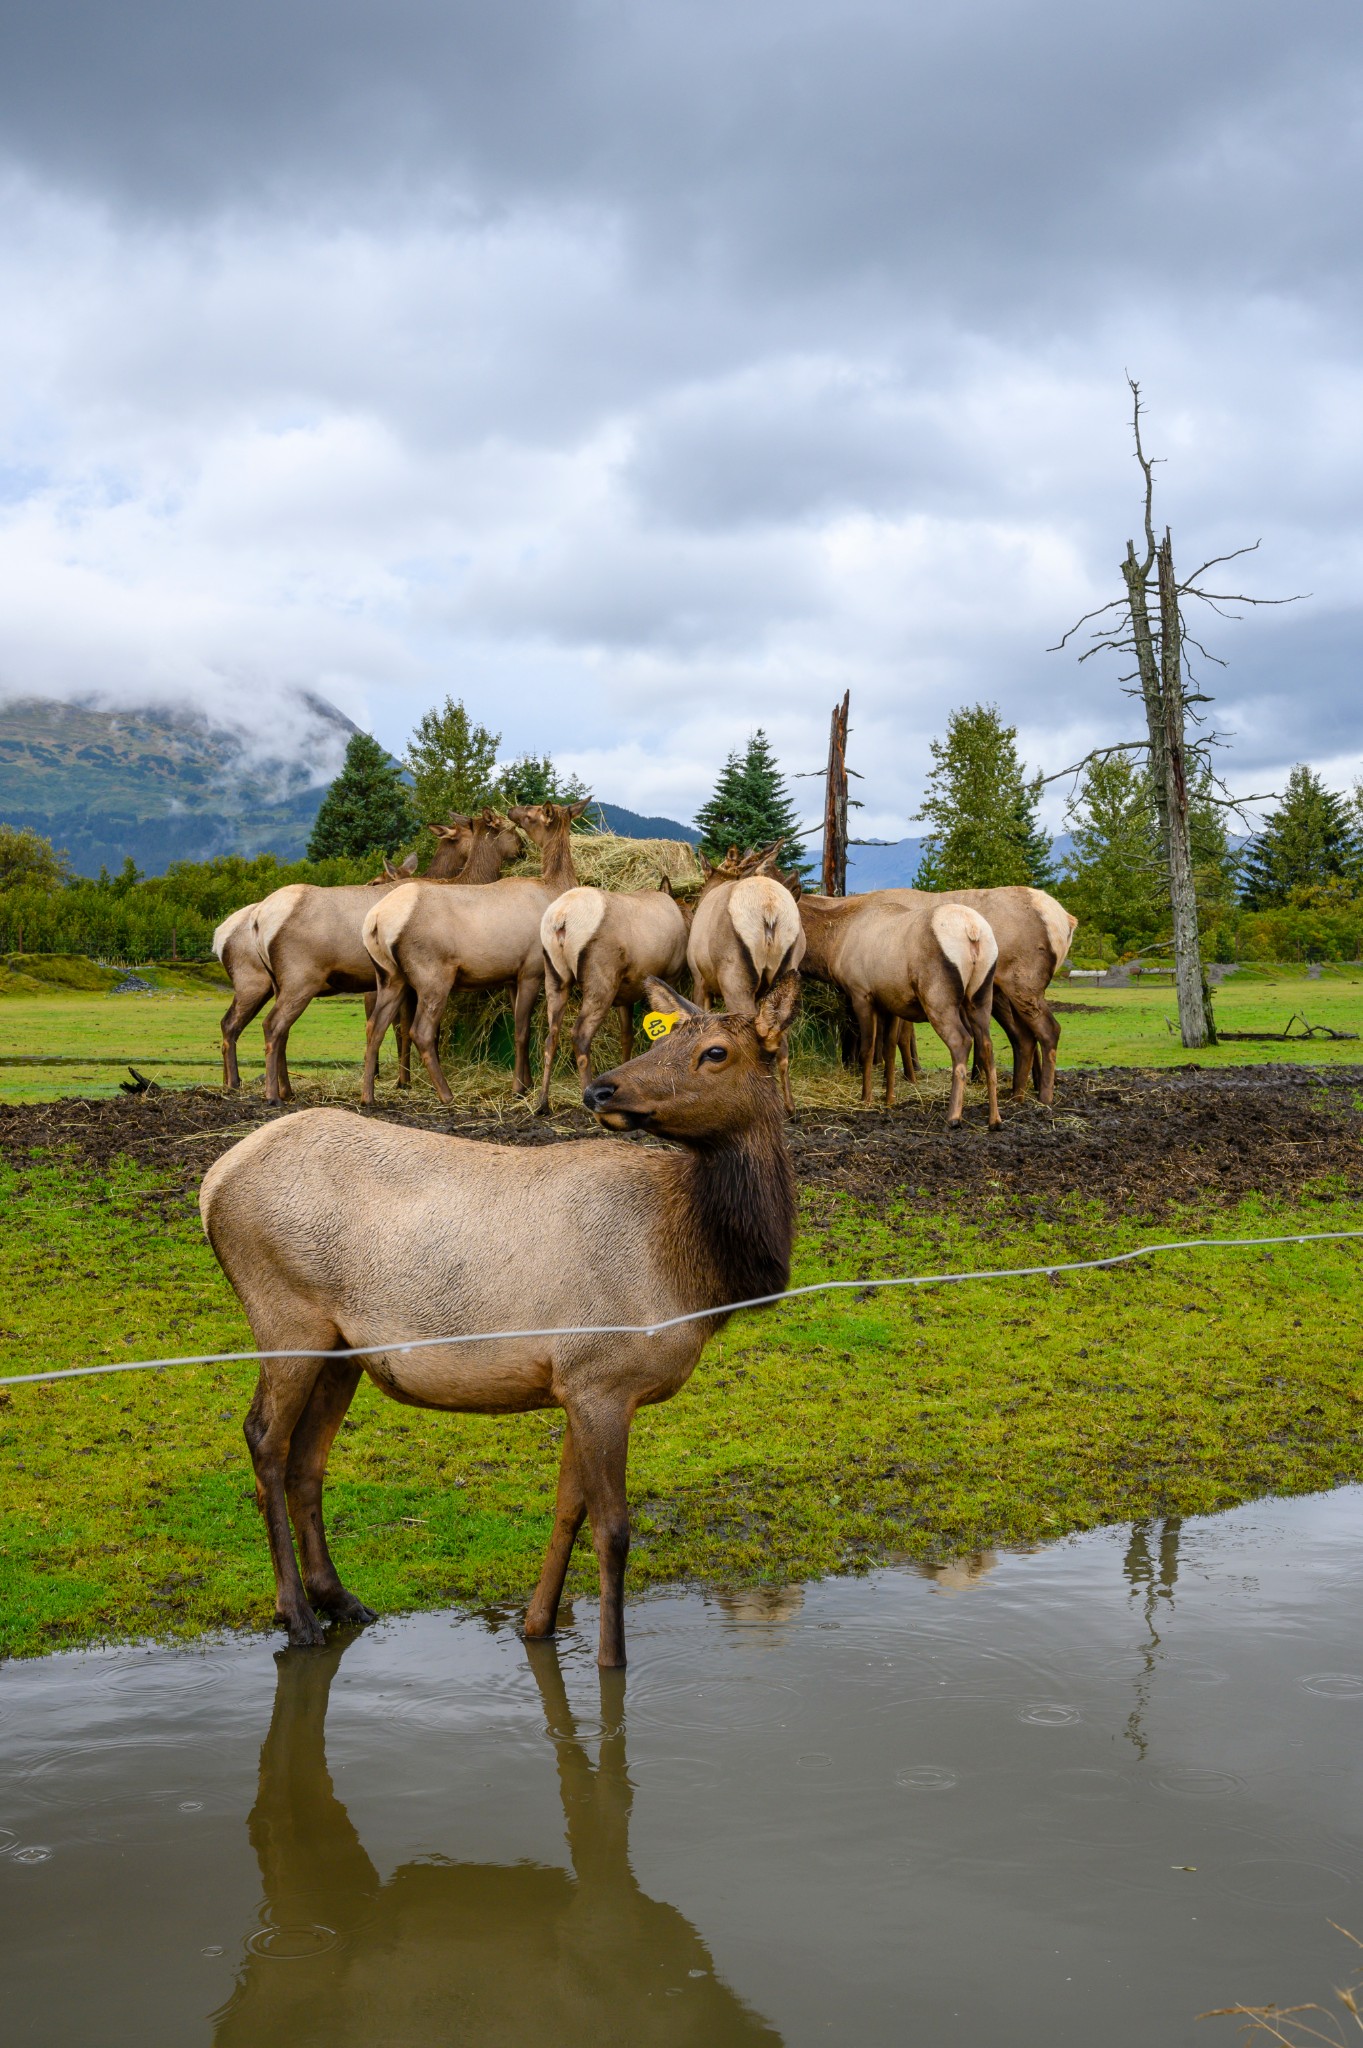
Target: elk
<point x="432" y="942"/>
<point x="310" y="937"/>
<point x="1033" y="933"/>
<point x="745" y="935"/>
<point x="933" y="962"/>
<point x="608" y="945"/>
<point x="338" y="1233"/>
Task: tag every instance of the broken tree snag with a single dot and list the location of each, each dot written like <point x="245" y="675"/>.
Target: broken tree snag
<point x="834" y="878"/>
<point x="1194" y="997"/>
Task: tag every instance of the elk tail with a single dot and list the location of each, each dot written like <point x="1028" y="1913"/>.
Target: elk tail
<point x="968" y="943"/>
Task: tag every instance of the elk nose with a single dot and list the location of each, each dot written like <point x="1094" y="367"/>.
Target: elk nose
<point x="597" y="1094"/>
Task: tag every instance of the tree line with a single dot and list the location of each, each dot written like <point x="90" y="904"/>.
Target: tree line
<point x="1295" y="890"/>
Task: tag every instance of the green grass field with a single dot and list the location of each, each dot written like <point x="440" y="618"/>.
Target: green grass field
<point x="172" y="1035"/>
<point x="823" y="1435"/>
<point x="814" y="1438"/>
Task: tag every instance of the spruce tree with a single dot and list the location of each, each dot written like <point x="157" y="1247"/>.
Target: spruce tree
<point x="1309" y="842"/>
<point x="980" y="811"/>
<point x="367" y="809"/>
<point x="750" y="807"/>
<point x="452" y="763"/>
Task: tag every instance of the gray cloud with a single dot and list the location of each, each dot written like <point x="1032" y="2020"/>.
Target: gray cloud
<point x="650" y="372"/>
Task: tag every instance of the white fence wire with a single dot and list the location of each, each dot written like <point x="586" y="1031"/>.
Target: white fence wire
<point x="1052" y="1269"/>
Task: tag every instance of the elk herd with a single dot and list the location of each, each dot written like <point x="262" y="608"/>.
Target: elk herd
<point x="407" y="943"/>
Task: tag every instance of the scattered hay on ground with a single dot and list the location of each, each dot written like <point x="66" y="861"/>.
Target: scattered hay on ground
<point x="1142" y="1143"/>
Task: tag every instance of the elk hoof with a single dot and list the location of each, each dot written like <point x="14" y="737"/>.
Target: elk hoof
<point x="305" y="1630"/>
<point x="343" y="1606"/>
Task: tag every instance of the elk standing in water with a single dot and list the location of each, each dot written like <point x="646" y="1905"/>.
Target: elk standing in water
<point x="339" y="1233"/>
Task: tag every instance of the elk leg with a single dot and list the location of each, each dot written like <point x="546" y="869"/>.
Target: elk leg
<point x="590" y="1017"/>
<point x="388" y="998"/>
<point x="984" y="1053"/>
<point x="541" y="1616"/>
<point x="309" y="1447"/>
<point x="864" y="1011"/>
<point x="783" y="1071"/>
<point x="555" y="1001"/>
<point x="955" y="1035"/>
<point x="1047" y="1028"/>
<point x="889" y="1038"/>
<point x="1019" y="1038"/>
<point x="625" y="1013"/>
<point x="426" y="1034"/>
<point x="287" y="1010"/>
<point x="403" y="1033"/>
<point x="600" y="1451"/>
<point x="242" y="1009"/>
<point x="282" y="1394"/>
<point x="908" y="1051"/>
<point x="527" y="993"/>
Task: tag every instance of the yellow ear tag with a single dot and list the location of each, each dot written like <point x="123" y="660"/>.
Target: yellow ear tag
<point x="658" y="1023"/>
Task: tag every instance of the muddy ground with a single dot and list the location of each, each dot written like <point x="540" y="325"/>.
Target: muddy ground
<point x="1141" y="1142"/>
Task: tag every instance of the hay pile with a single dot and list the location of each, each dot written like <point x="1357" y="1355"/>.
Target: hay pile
<point x="603" y="860"/>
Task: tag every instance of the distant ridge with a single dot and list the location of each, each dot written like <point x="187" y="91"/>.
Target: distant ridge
<point x="164" y="784"/>
<point x="631" y="825"/>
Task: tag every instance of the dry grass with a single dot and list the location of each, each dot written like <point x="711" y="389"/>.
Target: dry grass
<point x="1295" y="2025"/>
<point x="604" y="861"/>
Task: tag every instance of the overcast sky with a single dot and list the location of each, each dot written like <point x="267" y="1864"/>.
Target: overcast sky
<point x="645" y="372"/>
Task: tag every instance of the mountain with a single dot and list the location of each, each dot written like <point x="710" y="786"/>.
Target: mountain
<point x="631" y="825"/>
<point x="163" y="784"/>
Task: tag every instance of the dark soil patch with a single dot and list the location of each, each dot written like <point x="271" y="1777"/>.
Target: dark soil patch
<point x="1142" y="1142"/>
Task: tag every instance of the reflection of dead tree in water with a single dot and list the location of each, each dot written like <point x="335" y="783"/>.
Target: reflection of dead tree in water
<point x="1151" y="1569"/>
<point x="444" y="1951"/>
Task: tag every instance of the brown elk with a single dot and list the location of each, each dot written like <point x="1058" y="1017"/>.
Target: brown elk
<point x="1033" y="933"/>
<point x="339" y="1233"/>
<point x="432" y="942"/>
<point x="744" y="936"/>
<point x="608" y="945"/>
<point x="927" y="962"/>
<point x="310" y="937"/>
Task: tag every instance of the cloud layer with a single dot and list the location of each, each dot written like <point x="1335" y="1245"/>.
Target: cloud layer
<point x="645" y="374"/>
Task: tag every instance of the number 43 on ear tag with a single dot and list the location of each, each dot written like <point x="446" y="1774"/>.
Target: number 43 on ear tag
<point x="658" y="1023"/>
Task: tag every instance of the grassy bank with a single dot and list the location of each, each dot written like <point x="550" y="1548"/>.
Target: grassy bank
<point x="827" y="1433"/>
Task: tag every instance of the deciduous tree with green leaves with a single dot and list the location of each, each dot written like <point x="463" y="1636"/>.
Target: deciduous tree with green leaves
<point x="980" y="809"/>
<point x="750" y="807"/>
<point x="368" y="808"/>
<point x="453" y="763"/>
<point x="1311" y="842"/>
<point x="28" y="860"/>
<point x="536" y="779"/>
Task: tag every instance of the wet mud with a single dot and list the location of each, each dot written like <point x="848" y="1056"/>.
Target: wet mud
<point x="1079" y="1795"/>
<point x="1142" y="1142"/>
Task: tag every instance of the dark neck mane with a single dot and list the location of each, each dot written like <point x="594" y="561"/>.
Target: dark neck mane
<point x="738" y="1214"/>
<point x="556" y="860"/>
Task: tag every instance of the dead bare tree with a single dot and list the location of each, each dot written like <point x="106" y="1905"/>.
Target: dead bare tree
<point x="834" y="878"/>
<point x="1161" y="643"/>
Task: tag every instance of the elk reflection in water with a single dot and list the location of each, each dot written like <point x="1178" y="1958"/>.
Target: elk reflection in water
<point x="483" y="1953"/>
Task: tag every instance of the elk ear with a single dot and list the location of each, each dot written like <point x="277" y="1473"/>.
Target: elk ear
<point x="794" y="884"/>
<point x="705" y="867"/>
<point x="576" y="810"/>
<point x="409" y="865"/>
<point x="664" y="998"/>
<point x="665" y="885"/>
<point x="775" y="1011"/>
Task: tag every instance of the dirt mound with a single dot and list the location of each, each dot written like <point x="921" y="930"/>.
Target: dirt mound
<point x="1140" y="1142"/>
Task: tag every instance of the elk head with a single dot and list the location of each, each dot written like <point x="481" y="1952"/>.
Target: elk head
<point x="545" y="822"/>
<point x="392" y="874"/>
<point x="712" y="1076"/>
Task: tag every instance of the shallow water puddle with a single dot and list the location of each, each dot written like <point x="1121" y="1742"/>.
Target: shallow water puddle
<point x="1071" y="1797"/>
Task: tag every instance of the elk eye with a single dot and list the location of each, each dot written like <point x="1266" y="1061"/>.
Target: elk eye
<point x="714" y="1053"/>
